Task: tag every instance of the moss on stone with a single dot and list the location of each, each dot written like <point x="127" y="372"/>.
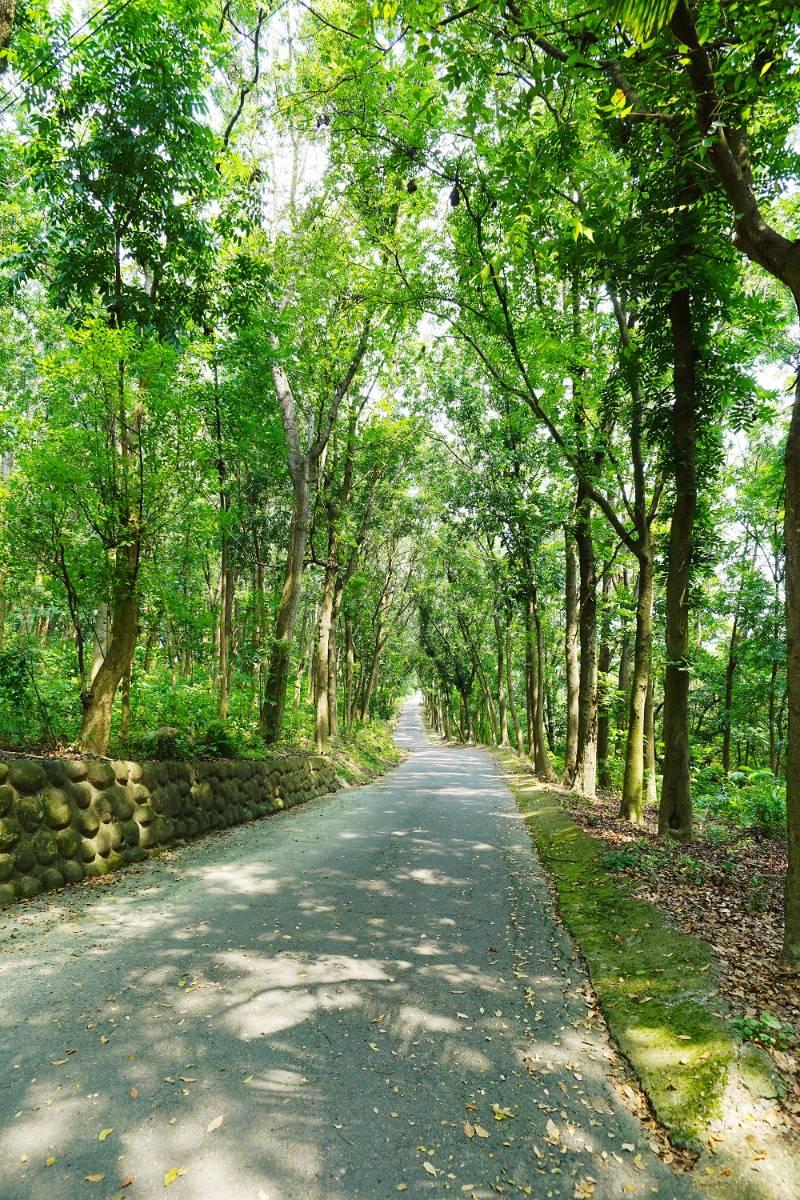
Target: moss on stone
<point x="10" y="832"/>
<point x="655" y="984"/>
<point x="45" y="846"/>
<point x="57" y="808"/>
<point x="7" y="798"/>
<point x="7" y="894"/>
<point x="26" y="776"/>
<point x="6" y="867"/>
<point x="88" y="822"/>
<point x="24" y="856"/>
<point x="80" y="794"/>
<point x="72" y="870"/>
<point x="68" y="842"/>
<point x="30" y="812"/>
<point x="100" y="773"/>
<point x="51" y="879"/>
<point x="28" y="886"/>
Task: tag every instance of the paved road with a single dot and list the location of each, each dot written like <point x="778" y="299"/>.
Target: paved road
<point x="344" y="985"/>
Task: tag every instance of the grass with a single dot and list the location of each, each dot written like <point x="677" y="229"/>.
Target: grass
<point x="655" y="984"/>
<point x="367" y="753"/>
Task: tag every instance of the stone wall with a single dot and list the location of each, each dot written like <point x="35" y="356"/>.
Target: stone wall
<point x="63" y="820"/>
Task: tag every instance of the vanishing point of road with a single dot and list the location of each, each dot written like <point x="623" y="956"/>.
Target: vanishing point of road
<point x="371" y="991"/>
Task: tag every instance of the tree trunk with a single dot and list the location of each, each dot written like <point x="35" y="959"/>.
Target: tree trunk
<point x="501" y="683"/>
<point x="586" y="766"/>
<point x="274" y="703"/>
<point x="632" y="806"/>
<point x="512" y="706"/>
<point x="604" y="700"/>
<point x="98" y="701"/>
<point x="650" y="781"/>
<point x="791" y="940"/>
<point x="225" y="624"/>
<point x="100" y="640"/>
<point x="571" y="657"/>
<point x="675" y="812"/>
<point x="541" y="762"/>
<point x="730" y="672"/>
<point x="349" y="672"/>
<point x="322" y="668"/>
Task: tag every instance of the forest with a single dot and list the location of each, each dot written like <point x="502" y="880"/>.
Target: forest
<point x="349" y="349"/>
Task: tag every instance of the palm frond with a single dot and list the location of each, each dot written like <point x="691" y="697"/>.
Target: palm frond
<point x="643" y="17"/>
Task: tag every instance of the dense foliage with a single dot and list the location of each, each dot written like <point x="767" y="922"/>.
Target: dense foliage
<point x="342" y="348"/>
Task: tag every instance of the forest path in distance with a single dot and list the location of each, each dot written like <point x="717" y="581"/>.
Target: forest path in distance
<point x="352" y="986"/>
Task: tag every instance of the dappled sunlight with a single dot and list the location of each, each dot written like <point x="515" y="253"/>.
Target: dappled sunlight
<point x="337" y="988"/>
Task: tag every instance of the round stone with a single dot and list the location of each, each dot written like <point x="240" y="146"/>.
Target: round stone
<point x="26" y="776"/>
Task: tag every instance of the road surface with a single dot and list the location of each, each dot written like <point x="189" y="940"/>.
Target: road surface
<point x="354" y="987"/>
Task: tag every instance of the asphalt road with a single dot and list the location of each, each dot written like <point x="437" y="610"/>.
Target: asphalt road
<point x="345" y="985"/>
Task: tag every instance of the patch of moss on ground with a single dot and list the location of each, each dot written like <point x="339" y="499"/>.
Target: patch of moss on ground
<point x="655" y="984"/>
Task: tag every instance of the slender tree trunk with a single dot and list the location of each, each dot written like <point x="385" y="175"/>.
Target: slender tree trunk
<point x="322" y="668"/>
<point x="604" y="700"/>
<point x="542" y="764"/>
<point x="632" y="806"/>
<point x="512" y="706"/>
<point x="333" y="677"/>
<point x="586" y="766"/>
<point x="274" y="703"/>
<point x="675" y="812"/>
<point x="349" y="672"/>
<point x="530" y="677"/>
<point x="225" y="625"/>
<point x="501" y="683"/>
<point x="730" y="672"/>
<point x="650" y="781"/>
<point x="571" y="616"/>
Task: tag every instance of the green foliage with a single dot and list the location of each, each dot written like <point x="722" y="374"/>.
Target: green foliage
<point x="747" y="799"/>
<point x="766" y="1030"/>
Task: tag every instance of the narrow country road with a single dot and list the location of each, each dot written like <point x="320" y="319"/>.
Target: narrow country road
<point x="345" y="985"/>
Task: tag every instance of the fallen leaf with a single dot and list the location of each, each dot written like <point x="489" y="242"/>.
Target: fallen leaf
<point x="584" y="1188"/>
<point x="127" y="1181"/>
<point x="430" y="1168"/>
<point x="172" y="1174"/>
<point x="58" y="1062"/>
<point x="94" y="1178"/>
<point x="49" y="1162"/>
<point x="553" y="1133"/>
<point x="104" y="1133"/>
<point x="502" y="1114"/>
<point x="481" y="1132"/>
<point x="402" y="1187"/>
<point x="215" y="1124"/>
<point x="133" y="1093"/>
<point x="469" y="1129"/>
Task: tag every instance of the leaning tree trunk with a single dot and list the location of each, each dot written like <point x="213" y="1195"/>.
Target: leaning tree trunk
<point x="571" y="658"/>
<point x="277" y="680"/>
<point x="604" y="700"/>
<point x="675" y="811"/>
<point x="632" y="805"/>
<point x="98" y="701"/>
<point x="585" y="779"/>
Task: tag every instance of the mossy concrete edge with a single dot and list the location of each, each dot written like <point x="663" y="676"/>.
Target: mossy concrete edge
<point x="655" y="984"/>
